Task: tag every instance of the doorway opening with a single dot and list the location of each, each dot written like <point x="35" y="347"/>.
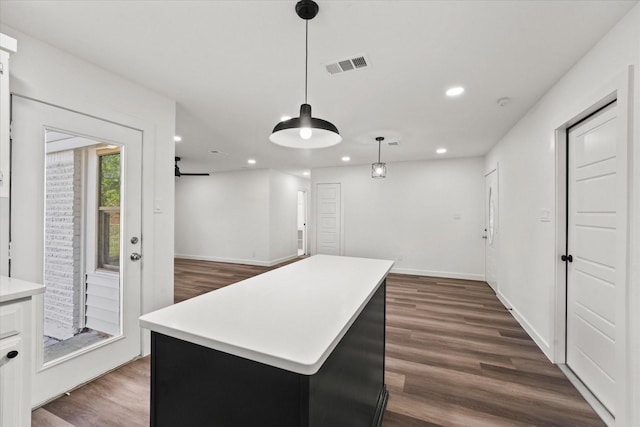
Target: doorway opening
<point x="302" y="223"/>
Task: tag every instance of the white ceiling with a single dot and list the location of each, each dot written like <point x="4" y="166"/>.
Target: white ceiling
<point x="235" y="67"/>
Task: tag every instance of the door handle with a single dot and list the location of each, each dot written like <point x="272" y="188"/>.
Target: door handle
<point x="135" y="256"/>
<point x="567" y="258"/>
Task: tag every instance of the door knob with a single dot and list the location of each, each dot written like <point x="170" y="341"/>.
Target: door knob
<point x="12" y="354"/>
<point x="567" y="258"/>
<point x="135" y="256"/>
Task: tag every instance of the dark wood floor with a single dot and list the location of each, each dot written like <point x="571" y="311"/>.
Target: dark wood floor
<point x="455" y="357"/>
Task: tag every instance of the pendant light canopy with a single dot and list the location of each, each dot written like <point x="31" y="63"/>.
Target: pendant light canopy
<point x="379" y="169"/>
<point x="305" y="131"/>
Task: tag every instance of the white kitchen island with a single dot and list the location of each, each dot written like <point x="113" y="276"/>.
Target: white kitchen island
<point x="302" y="345"/>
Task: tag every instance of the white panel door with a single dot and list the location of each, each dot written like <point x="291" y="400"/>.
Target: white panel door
<point x="594" y="316"/>
<point x="328" y="214"/>
<point x="491" y="228"/>
<point x="34" y="121"/>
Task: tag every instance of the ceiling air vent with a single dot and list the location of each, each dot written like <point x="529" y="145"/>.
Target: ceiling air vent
<point x="393" y="143"/>
<point x="359" y="61"/>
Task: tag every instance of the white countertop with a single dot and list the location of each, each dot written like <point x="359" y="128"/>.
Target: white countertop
<point x="291" y="318"/>
<point x="13" y="289"/>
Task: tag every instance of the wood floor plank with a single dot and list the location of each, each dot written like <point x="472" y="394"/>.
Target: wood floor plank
<point x="43" y="418"/>
<point x="120" y="398"/>
<point x="455" y="357"/>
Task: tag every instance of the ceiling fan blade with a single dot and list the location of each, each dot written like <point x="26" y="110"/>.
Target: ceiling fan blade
<point x="178" y="174"/>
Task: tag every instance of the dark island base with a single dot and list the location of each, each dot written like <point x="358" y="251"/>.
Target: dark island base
<point x="193" y="385"/>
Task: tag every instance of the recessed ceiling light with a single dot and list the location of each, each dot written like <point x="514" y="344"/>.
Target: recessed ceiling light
<point x="441" y="150"/>
<point x="346" y="158"/>
<point x="455" y="91"/>
<point x="251" y="161"/>
<point x="305" y="173"/>
<point x="177" y="138"/>
<point x="285" y="118"/>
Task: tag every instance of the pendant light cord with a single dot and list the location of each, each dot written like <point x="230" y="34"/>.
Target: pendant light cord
<point x="306" y="59"/>
<point x="379" y="142"/>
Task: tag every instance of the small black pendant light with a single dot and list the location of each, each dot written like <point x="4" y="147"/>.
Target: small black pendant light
<point x="305" y="131"/>
<point x="379" y="169"/>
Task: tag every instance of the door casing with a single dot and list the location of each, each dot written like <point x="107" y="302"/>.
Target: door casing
<point x="620" y="89"/>
<point x="492" y="244"/>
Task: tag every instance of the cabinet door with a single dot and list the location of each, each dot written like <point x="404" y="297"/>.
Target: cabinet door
<point x="12" y="401"/>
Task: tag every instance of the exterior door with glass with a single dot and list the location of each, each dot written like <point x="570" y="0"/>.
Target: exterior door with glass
<point x="75" y="226"/>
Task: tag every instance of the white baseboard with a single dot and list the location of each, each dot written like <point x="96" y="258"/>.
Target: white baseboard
<point x="588" y="396"/>
<point x="537" y="338"/>
<point x="283" y="259"/>
<point x="504" y="300"/>
<point x="237" y="260"/>
<point x="444" y="274"/>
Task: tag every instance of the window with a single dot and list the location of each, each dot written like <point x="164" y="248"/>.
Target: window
<point x="108" y="250"/>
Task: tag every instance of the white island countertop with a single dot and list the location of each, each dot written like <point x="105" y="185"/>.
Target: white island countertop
<point x="291" y="318"/>
<point x="13" y="289"/>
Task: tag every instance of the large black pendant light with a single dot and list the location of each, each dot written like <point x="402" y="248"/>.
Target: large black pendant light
<point x="305" y="131"/>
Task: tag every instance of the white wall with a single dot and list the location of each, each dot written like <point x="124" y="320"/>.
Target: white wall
<point x="247" y="217"/>
<point x="426" y="215"/>
<point x="223" y="217"/>
<point x="45" y="73"/>
<point x="283" y="215"/>
<point x="527" y="160"/>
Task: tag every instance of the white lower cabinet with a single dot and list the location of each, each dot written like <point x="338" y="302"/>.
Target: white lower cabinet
<point x="15" y="363"/>
<point x="12" y="385"/>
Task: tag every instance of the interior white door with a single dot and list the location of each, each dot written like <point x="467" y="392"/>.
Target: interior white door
<point x="491" y="228"/>
<point x="594" y="315"/>
<point x="32" y="122"/>
<point x="328" y="215"/>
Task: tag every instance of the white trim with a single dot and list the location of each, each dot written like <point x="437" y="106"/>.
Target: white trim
<point x="238" y="260"/>
<point x="533" y="333"/>
<point x="443" y="274"/>
<point x="8" y="43"/>
<point x="497" y="227"/>
<point x="588" y="396"/>
<point x="560" y="303"/>
<point x="633" y="313"/>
